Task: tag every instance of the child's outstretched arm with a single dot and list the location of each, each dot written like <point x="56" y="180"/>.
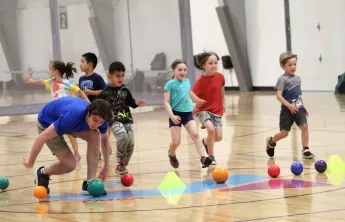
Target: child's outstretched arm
<point x="29" y="80"/>
<point x="195" y="98"/>
<point x="47" y="134"/>
<point x="281" y="99"/>
<point x="134" y="103"/>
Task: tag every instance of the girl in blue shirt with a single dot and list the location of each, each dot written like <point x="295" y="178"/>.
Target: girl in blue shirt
<point x="178" y="104"/>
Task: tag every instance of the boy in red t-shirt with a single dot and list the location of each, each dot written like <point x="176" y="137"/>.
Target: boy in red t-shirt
<point x="210" y="87"/>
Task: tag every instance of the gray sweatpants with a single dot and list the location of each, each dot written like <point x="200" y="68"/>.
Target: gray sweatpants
<point x="124" y="141"/>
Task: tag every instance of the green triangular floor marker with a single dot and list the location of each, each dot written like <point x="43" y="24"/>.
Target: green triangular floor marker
<point x="174" y="196"/>
<point x="335" y="164"/>
<point x="172" y="182"/>
<point x="336" y="178"/>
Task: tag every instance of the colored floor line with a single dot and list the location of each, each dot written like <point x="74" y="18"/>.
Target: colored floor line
<point x="194" y="187"/>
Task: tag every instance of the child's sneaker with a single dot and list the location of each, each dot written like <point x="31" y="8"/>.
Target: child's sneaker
<point x="203" y="142"/>
<point x="121" y="169"/>
<point x="85" y="191"/>
<point x="205" y="161"/>
<point x="42" y="179"/>
<point x="270" y="146"/>
<point x="173" y="160"/>
<point x="307" y="154"/>
<point x="213" y="160"/>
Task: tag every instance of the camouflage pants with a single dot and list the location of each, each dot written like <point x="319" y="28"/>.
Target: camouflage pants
<point x="124" y="141"/>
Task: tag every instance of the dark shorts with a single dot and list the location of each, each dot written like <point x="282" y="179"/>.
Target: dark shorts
<point x="185" y="118"/>
<point x="287" y="119"/>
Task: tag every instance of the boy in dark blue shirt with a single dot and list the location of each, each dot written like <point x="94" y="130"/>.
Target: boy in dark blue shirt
<point x="289" y="93"/>
<point x="91" y="83"/>
<point x="77" y="117"/>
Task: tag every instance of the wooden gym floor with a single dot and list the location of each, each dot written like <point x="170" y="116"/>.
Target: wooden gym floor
<point x="248" y="195"/>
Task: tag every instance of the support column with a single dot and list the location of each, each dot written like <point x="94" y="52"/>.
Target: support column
<point x="287" y="25"/>
<point x="186" y="37"/>
<point x="9" y="38"/>
<point x="102" y="26"/>
<point x="55" y="29"/>
<point x="232" y="19"/>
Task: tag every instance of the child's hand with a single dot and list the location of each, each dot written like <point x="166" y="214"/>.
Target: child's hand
<point x="195" y="110"/>
<point x="140" y="102"/>
<point x="87" y="91"/>
<point x="200" y="102"/>
<point x="28" y="79"/>
<point x="27" y="164"/>
<point x="293" y="109"/>
<point x="176" y="119"/>
<point x="307" y="113"/>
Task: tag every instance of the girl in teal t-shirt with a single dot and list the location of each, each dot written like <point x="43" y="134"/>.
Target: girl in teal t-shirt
<point x="178" y="103"/>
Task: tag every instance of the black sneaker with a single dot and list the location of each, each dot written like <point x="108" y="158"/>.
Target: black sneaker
<point x="213" y="160"/>
<point x="307" y="154"/>
<point x="42" y="179"/>
<point x="84" y="188"/>
<point x="205" y="161"/>
<point x="203" y="142"/>
<point x="269" y="147"/>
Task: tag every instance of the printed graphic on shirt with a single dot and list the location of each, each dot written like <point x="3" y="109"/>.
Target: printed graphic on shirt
<point x="290" y="85"/>
<point x="120" y="100"/>
<point x="87" y="84"/>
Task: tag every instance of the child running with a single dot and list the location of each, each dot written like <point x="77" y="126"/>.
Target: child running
<point x="61" y="86"/>
<point x="289" y="93"/>
<point x="91" y="83"/>
<point x="120" y="99"/>
<point x="210" y="87"/>
<point x="178" y="104"/>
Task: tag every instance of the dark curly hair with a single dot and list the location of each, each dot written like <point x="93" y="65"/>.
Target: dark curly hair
<point x="200" y="59"/>
<point x="101" y="108"/>
<point x="66" y="70"/>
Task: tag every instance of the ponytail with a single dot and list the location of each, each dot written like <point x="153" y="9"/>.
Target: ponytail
<point x="70" y="70"/>
<point x="66" y="71"/>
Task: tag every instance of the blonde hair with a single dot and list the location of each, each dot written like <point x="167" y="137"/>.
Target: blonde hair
<point x="285" y="57"/>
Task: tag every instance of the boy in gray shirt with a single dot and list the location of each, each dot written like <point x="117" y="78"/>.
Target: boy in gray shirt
<point x="289" y="93"/>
